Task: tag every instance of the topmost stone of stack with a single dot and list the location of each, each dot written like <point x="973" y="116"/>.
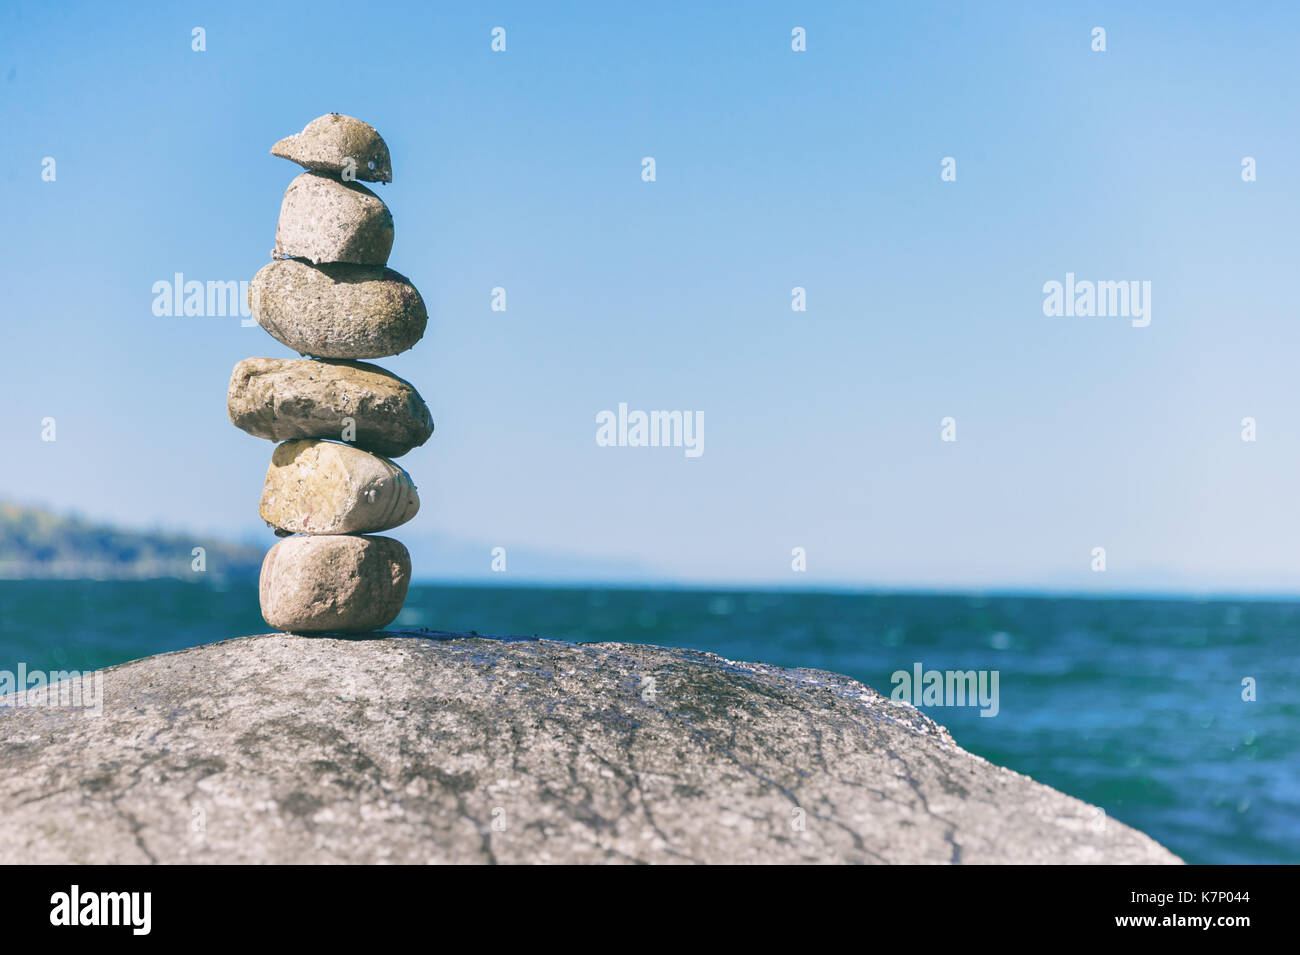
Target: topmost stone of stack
<point x="339" y="144"/>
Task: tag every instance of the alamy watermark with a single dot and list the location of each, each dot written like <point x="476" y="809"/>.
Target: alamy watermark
<point x="68" y="688"/>
<point x="129" y="909"/>
<point x="947" y="688"/>
<point x="1124" y="299"/>
<point x="178" y="298"/>
<point x="651" y="429"/>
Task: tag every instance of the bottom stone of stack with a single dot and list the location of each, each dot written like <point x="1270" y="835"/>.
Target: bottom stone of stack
<point x="340" y="584"/>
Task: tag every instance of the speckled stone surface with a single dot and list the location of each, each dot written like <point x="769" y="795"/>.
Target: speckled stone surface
<point x="323" y="219"/>
<point x="440" y="747"/>
<point x="337" y="311"/>
<point x="341" y="145"/>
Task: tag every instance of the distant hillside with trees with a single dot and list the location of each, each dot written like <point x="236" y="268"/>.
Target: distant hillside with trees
<point x="36" y="544"/>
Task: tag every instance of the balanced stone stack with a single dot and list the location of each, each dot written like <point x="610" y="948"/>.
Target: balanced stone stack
<point x="328" y="295"/>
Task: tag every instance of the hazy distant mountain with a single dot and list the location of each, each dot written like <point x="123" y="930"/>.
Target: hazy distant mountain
<point x="437" y="556"/>
<point x="37" y="544"/>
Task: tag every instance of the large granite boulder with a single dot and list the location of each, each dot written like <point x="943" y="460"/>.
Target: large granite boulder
<point x="439" y="747"/>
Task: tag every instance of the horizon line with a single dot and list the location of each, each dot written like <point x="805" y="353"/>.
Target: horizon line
<point x="865" y="590"/>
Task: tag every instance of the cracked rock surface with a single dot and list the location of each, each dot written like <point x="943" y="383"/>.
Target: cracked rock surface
<point x="440" y="747"/>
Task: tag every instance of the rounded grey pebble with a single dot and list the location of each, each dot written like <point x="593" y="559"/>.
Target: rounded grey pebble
<point x="347" y="584"/>
<point x="339" y="144"/>
<point x="325" y="220"/>
<point x="319" y="487"/>
<point x="285" y="398"/>
<point x="338" y="311"/>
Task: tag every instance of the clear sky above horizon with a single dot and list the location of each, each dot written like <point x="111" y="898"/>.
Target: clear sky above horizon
<point x="774" y="169"/>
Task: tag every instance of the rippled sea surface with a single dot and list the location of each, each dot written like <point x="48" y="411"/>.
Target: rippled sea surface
<point x="1134" y="705"/>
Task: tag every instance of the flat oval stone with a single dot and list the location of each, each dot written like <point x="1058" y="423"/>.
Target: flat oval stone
<point x="285" y="398"/>
<point x="325" y="220"/>
<point x="338" y="311"/>
<point x="318" y="487"/>
<point x="338" y="584"/>
<point x="339" y="144"/>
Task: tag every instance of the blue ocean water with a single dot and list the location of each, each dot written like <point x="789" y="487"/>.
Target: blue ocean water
<point x="1132" y="704"/>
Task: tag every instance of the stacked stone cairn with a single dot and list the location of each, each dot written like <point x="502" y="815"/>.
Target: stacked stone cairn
<point x="328" y="295"/>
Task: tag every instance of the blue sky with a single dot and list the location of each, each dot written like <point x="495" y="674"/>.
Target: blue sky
<point x="775" y="169"/>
